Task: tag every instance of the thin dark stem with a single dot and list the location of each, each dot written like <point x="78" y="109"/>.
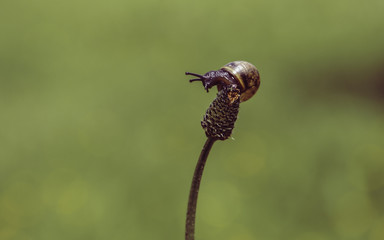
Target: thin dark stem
<point x="191" y="211"/>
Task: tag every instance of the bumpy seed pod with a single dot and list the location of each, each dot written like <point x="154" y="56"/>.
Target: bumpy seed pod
<point x="240" y="73"/>
<point x="219" y="119"/>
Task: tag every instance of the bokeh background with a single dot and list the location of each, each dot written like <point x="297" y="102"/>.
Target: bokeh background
<point x="100" y="128"/>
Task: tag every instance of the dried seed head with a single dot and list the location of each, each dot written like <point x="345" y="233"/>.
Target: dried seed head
<point x="219" y="119"/>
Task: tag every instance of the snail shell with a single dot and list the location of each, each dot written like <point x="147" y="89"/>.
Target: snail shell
<point x="247" y="77"/>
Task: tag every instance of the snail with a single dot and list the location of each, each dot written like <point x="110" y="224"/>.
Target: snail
<point x="242" y="74"/>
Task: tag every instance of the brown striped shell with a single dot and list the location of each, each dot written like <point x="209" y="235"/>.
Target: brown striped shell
<point x="246" y="75"/>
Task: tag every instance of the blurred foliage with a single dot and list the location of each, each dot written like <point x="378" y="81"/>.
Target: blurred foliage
<point x="100" y="129"/>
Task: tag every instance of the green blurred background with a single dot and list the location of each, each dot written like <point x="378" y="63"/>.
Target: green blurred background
<point x="100" y="128"/>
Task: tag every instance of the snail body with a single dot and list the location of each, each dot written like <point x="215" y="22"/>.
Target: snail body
<point x="243" y="75"/>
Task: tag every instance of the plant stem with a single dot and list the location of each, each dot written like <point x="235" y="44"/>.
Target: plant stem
<point x="191" y="211"/>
